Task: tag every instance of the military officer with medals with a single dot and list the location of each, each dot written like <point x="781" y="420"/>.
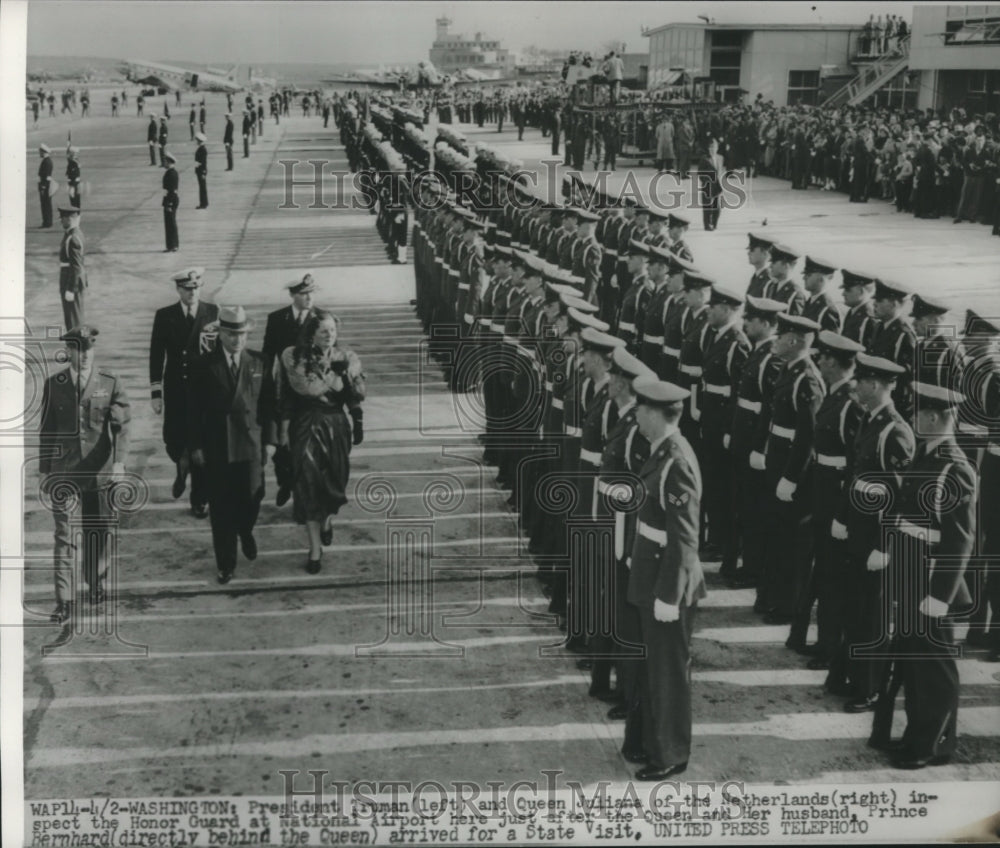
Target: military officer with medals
<point x="860" y="324"/>
<point x="625" y="452"/>
<point x="837" y="423"/>
<point x="895" y="339"/>
<point x="723" y="362"/>
<point x="759" y="257"/>
<point x="754" y="391"/>
<point x="819" y="306"/>
<point x="783" y="287"/>
<point x="935" y="518"/>
<point x="181" y="333"/>
<point x="878" y="459"/>
<point x="72" y="270"/>
<point x="666" y="580"/>
<point x="84" y="442"/>
<point x="787" y="446"/>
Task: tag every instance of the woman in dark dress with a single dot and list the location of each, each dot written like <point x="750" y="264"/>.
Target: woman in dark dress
<point x="318" y="380"/>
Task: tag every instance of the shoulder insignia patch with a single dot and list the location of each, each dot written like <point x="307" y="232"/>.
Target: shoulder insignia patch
<point x="679" y="500"/>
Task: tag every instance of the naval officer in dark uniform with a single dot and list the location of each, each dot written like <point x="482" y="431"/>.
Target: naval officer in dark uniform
<point x="181" y="333"/>
<point x="171" y="200"/>
<point x="201" y="170"/>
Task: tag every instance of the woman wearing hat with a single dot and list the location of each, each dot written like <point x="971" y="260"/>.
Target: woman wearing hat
<point x="319" y="379"/>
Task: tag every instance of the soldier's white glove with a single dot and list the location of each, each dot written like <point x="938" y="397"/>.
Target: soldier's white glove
<point x="69" y="297"/>
<point x="117" y="471"/>
<point x="932" y="607"/>
<point x="838" y="531"/>
<point x="157" y="405"/>
<point x="877" y="560"/>
<point x="666" y="612"/>
<point x="757" y="461"/>
<point x="695" y="413"/>
<point x="269" y="451"/>
<point x="786" y="490"/>
<point x="725" y="441"/>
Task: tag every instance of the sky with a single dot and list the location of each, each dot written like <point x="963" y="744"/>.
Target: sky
<point x="376" y="32"/>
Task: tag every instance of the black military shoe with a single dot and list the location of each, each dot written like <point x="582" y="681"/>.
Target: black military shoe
<point x="775" y="617"/>
<point x="249" y="545"/>
<point x="199" y="511"/>
<point x="619" y="712"/>
<point x="818" y="663"/>
<point x="180" y="484"/>
<point x="224" y="577"/>
<point x="861" y="705"/>
<point x="891" y="746"/>
<point x="911" y="763"/>
<point x="313" y="566"/>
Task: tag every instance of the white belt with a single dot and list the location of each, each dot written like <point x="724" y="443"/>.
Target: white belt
<point x="463" y="286"/>
<point x="610" y="252"/>
<point x="496" y="328"/>
<point x="557" y="403"/>
<point x="930" y="534"/>
<point x="603" y="486"/>
<point x="577" y="281"/>
<point x="657" y="340"/>
<point x="485" y="322"/>
<point x="573" y="431"/>
<point x="671" y="351"/>
<point x="439" y="260"/>
<point x="509" y="340"/>
<point x="831" y="461"/>
<point x="749" y="405"/>
<point x="548" y="385"/>
<point x="993" y="448"/>
<point x="453" y="272"/>
<point x="469" y="319"/>
<point x="593" y="457"/>
<point x="691" y="370"/>
<point x="716" y="389"/>
<point x="624" y="325"/>
<point x="654" y="535"/>
<point x="64" y="264"/>
<point x="503" y="232"/>
<point x="871" y="487"/>
<point x="782" y="432"/>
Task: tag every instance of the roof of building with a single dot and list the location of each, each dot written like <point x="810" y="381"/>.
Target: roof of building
<point x="755" y="26"/>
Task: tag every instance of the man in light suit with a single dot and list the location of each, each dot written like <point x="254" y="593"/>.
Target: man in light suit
<point x="72" y="270"/>
<point x="667" y="581"/>
<point x="84" y="443"/>
<point x="224" y="437"/>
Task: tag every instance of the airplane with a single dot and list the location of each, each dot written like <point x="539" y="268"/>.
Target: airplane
<point x="171" y="77"/>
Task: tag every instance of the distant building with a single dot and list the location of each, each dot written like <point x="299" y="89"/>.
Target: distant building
<point x="452" y="52"/>
<point x="785" y="63"/>
<point x="955" y="50"/>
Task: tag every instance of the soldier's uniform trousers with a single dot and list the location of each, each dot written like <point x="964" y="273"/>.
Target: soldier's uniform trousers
<point x="788" y="546"/>
<point x="827" y="585"/>
<point x="629" y="651"/>
<point x="989" y="497"/>
<point x="81" y="537"/>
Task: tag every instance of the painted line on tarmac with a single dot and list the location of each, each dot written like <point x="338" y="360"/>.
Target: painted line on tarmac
<point x="976" y="721"/>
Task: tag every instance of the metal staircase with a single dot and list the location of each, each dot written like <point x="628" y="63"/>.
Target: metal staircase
<point x="871" y="78"/>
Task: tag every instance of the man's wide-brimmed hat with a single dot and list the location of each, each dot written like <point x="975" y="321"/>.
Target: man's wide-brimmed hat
<point x="234" y="319"/>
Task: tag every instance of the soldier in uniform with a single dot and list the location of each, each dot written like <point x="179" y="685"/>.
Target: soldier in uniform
<point x="280" y="332"/>
<point x="937" y="359"/>
<point x="152" y="134"/>
<point x="192" y="116"/>
<point x="161" y="140"/>
<point x="45" y="190"/>
<point x="673" y="312"/>
<point x="819" y="306"/>
<point x="201" y="170"/>
<point x="876" y="463"/>
<point x="759" y="257"/>
<point x="860" y="324"/>
<point x="612" y="222"/>
<point x="227" y="140"/>
<point x="587" y="256"/>
<point x="895" y="340"/>
<point x="181" y="333"/>
<point x="723" y="362"/>
<point x="637" y="297"/>
<point x="248" y="125"/>
<point x="625" y="452"/>
<point x="655" y="235"/>
<point x="224" y="436"/>
<point x="754" y="390"/>
<point x="201" y="117"/>
<point x="676" y="227"/>
<point x="84" y="437"/>
<point x="924" y="643"/>
<point x="653" y="313"/>
<point x="73" y="175"/>
<point x="785" y="441"/>
<point x="698" y="335"/>
<point x="467" y="291"/>
<point x="171" y="200"/>
<point x="783" y="287"/>
<point x="72" y="270"/>
<point x="666" y="580"/>
<point x="627" y="231"/>
<point x="837" y="423"/>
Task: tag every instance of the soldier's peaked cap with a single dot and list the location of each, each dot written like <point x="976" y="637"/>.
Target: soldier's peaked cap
<point x="924" y="306"/>
<point x="762" y="307"/>
<point x="976" y="325"/>
<point x="877" y="367"/>
<point x="853" y="278"/>
<point x="814" y="265"/>
<point x="69" y="210"/>
<point x="84" y="335"/>
<point x="757" y="240"/>
<point x="697" y="280"/>
<point x="602" y="342"/>
<point x="677" y="221"/>
<point x="581" y="320"/>
<point x="724" y="297"/>
<point x="929" y="396"/>
<point x="679" y="265"/>
<point x="659" y="254"/>
<point x="189" y="278"/>
<point x="796" y="324"/>
<point x="574" y="301"/>
<point x="306" y="284"/>
<point x="168" y="156"/>
<point x="892" y="291"/>
<point x="44" y="148"/>
<point x="783" y="253"/>
<point x="835" y="343"/>
<point x="586" y="216"/>
<point x="653" y="392"/>
<point x="638" y="248"/>
<point x="625" y="364"/>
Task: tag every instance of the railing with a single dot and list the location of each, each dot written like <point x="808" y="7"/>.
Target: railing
<point x="871" y="77"/>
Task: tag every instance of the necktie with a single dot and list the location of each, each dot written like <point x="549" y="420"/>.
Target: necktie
<point x="233" y="367"/>
<point x="190" y="317"/>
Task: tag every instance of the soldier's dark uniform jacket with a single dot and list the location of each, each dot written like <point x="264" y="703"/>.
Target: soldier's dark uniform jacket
<point x="657" y="239"/>
<point x="938" y="361"/>
<point x="599" y="417"/>
<point x="680" y="248"/>
<point x="652" y="328"/>
<point x="587" y="259"/>
<point x="755" y="387"/>
<point x="607" y="233"/>
<point x="625" y="452"/>
<point x="72" y="274"/>
<point x="896" y="341"/>
<point x="860" y="324"/>
<point x="788" y="442"/>
<point x="821" y="309"/>
<point x="837" y="423"/>
<point x="579" y="390"/>
<point x="633" y="306"/>
<point x="791" y="293"/>
<point x="566" y="248"/>
<point x="724" y="361"/>
<point x="698" y="337"/>
<point x="760" y="284"/>
<point x="675" y="326"/>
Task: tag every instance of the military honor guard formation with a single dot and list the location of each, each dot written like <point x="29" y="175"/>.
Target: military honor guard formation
<point x="832" y="458"/>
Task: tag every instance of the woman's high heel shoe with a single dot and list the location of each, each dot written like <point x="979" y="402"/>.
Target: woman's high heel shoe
<point x="326" y="534"/>
<point x="312" y="565"/>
